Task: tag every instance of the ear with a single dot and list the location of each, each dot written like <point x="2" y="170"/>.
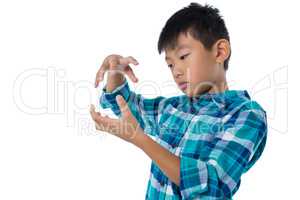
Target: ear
<point x="222" y="50"/>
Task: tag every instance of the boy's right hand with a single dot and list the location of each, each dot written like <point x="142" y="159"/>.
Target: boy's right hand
<point x="119" y="64"/>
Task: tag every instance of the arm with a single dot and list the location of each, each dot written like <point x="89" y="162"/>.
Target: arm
<point x="233" y="151"/>
<point x="236" y="150"/>
<point x="167" y="162"/>
<point x="116" y="65"/>
<point x="114" y="80"/>
<point x="145" y="110"/>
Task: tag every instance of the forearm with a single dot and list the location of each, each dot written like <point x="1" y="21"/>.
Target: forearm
<point x="114" y="80"/>
<point x="167" y="162"/>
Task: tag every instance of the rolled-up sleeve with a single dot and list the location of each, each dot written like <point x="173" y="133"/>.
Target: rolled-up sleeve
<point x="193" y="177"/>
<point x="232" y="152"/>
<point x="108" y="99"/>
<point x="145" y="110"/>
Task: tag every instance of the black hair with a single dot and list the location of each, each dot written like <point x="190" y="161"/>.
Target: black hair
<point x="204" y="23"/>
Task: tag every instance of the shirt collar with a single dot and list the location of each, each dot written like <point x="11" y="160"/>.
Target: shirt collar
<point x="220" y="97"/>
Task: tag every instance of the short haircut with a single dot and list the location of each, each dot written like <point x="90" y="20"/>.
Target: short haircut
<point x="204" y="23"/>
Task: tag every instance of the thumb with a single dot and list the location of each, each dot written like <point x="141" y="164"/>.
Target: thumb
<point x="122" y="104"/>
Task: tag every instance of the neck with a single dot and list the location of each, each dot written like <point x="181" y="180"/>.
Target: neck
<point x="218" y="87"/>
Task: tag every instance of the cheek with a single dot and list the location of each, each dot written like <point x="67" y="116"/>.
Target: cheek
<point x="201" y="69"/>
<point x="198" y="72"/>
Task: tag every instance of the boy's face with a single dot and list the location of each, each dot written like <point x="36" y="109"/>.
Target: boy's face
<point x="193" y="67"/>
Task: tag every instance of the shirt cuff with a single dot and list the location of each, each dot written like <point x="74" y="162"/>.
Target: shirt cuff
<point x="193" y="177"/>
<point x="108" y="99"/>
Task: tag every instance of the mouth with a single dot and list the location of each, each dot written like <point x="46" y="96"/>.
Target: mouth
<point x="183" y="85"/>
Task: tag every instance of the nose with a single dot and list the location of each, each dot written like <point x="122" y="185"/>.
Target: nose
<point x="178" y="71"/>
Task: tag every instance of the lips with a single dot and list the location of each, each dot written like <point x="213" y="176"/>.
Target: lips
<point x="183" y="85"/>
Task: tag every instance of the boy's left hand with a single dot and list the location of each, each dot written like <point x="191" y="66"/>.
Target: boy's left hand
<point x="126" y="127"/>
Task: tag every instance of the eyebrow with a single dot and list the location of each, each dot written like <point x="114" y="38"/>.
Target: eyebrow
<point x="182" y="46"/>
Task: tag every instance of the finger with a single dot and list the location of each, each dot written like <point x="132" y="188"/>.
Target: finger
<point x="99" y="77"/>
<point x="100" y="73"/>
<point x="104" y="120"/>
<point x="133" y="60"/>
<point x="123" y="105"/>
<point x="128" y="70"/>
<point x="98" y="127"/>
<point x="93" y="113"/>
<point x="107" y="126"/>
<point x="102" y="127"/>
<point x="127" y="60"/>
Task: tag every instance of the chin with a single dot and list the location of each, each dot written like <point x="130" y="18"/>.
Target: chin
<point x="193" y="93"/>
<point x="189" y="93"/>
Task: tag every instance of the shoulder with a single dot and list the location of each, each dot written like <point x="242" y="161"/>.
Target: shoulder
<point x="249" y="117"/>
<point x="253" y="108"/>
<point x="243" y="109"/>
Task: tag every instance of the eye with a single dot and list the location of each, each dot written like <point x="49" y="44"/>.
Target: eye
<point x="184" y="56"/>
<point x="170" y="65"/>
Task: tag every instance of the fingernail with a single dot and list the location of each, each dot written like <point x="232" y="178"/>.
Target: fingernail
<point x="119" y="97"/>
<point x="92" y="107"/>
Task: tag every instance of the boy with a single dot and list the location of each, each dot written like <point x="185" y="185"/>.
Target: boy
<point x="205" y="139"/>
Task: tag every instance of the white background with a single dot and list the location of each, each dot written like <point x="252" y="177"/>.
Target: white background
<point x="49" y="54"/>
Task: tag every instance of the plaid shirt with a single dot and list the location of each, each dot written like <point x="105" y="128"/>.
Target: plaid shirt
<point x="217" y="137"/>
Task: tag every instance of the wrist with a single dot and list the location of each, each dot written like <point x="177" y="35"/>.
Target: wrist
<point x="114" y="80"/>
<point x="139" y="138"/>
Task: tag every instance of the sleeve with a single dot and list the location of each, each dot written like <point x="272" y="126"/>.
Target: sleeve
<point x="145" y="110"/>
<point x="232" y="152"/>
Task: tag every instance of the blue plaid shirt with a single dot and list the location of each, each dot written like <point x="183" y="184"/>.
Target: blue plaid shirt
<point x="217" y="136"/>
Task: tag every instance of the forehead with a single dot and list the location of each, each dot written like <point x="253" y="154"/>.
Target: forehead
<point x="184" y="41"/>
